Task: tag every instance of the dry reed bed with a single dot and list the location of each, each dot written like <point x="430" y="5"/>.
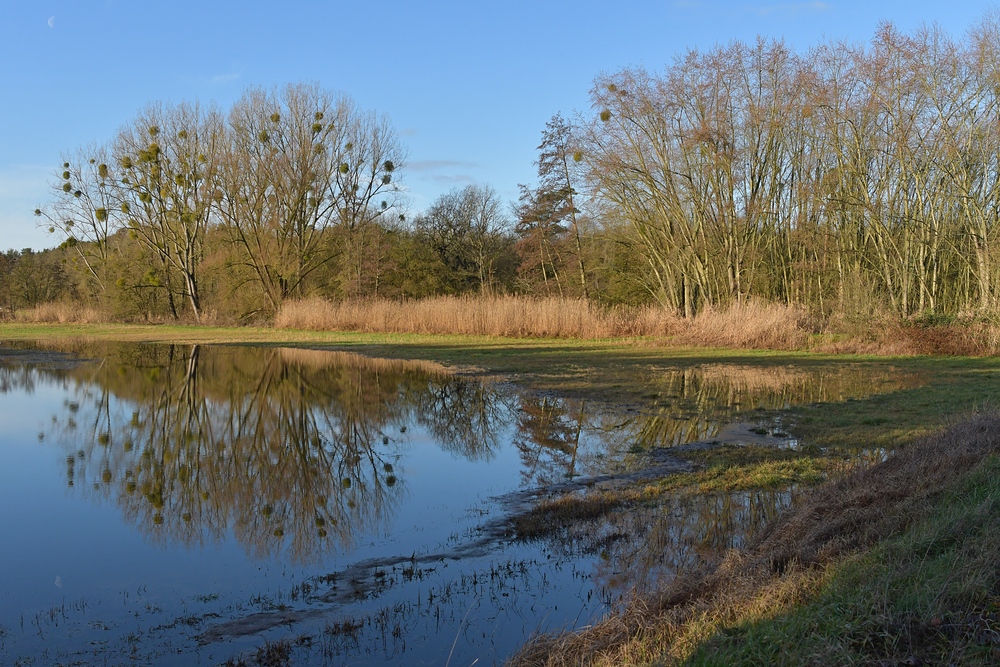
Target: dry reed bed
<point x="505" y="316"/>
<point x="746" y="325"/>
<point x="786" y="563"/>
<point x="61" y="312"/>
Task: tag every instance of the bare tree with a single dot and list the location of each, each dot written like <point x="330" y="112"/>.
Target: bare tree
<point x="470" y="232"/>
<point x="87" y="199"/>
<point x="298" y="164"/>
<point x="168" y="159"/>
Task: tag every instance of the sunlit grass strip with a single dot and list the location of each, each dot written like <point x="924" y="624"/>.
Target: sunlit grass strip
<point x="928" y="596"/>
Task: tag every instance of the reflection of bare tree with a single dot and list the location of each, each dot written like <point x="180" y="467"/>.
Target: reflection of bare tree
<point x="287" y="449"/>
<point x="298" y="449"/>
<point x="548" y="438"/>
<point x="18" y="378"/>
<point x="642" y="546"/>
<point x="464" y="416"/>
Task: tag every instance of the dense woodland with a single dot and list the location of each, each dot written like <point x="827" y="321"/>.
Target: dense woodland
<point x="847" y="179"/>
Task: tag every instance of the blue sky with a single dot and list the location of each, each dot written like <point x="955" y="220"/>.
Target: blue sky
<point x="468" y="85"/>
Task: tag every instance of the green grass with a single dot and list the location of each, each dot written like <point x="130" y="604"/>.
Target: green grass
<point x="731" y="468"/>
<point x="928" y="596"/>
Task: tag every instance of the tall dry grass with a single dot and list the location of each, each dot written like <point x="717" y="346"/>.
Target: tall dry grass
<point x="750" y="325"/>
<point x="506" y="316"/>
<point x="62" y="312"/>
<point x="746" y="325"/>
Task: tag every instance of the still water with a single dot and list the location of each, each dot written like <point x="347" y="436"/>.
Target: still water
<point x="193" y="505"/>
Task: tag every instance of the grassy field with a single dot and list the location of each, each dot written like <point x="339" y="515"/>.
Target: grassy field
<point x="918" y="587"/>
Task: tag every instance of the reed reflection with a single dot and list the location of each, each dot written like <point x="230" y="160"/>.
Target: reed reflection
<point x="692" y="404"/>
<point x="289" y="449"/>
<point x="561" y="438"/>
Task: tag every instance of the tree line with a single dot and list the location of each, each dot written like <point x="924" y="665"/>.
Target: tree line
<point x="848" y="178"/>
<point x="845" y="178"/>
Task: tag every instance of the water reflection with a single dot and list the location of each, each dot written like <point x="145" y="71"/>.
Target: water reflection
<point x="298" y="455"/>
<point x="300" y="450"/>
<point x="640" y="548"/>
<point x="288" y="449"/>
<point x="694" y="403"/>
<point x="561" y="438"/>
<point x="548" y="438"/>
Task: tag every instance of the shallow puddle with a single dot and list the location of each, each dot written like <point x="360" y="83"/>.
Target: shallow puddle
<point x="192" y="505"/>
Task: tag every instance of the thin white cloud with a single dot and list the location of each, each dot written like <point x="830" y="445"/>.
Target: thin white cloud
<point x="452" y="179"/>
<point x="228" y="77"/>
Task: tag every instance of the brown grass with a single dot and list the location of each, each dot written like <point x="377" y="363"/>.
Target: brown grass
<point x="747" y="325"/>
<point x="887" y="335"/>
<point x="784" y="565"/>
<point x="62" y="313"/>
<point x="506" y="316"/>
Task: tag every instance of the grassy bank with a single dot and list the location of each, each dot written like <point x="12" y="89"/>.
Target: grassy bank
<point x="896" y="563"/>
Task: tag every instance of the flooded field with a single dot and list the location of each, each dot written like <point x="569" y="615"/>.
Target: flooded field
<point x="207" y="505"/>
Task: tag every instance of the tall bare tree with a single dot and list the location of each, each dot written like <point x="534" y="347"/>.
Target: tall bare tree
<point x="168" y="159"/>
<point x="299" y="163"/>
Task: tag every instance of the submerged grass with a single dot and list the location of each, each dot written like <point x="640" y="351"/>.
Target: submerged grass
<point x="896" y="563"/>
<point x="724" y="469"/>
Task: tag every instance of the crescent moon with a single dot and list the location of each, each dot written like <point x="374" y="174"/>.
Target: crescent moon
<point x="52" y="21"/>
